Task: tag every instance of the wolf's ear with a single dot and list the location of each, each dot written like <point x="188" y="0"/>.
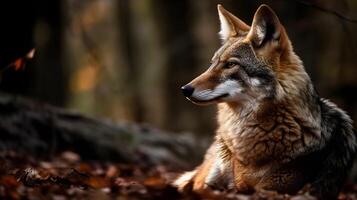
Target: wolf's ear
<point x="266" y="26"/>
<point x="231" y="26"/>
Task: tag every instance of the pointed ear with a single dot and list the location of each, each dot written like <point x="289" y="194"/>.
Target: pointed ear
<point x="266" y="26"/>
<point x="231" y="26"/>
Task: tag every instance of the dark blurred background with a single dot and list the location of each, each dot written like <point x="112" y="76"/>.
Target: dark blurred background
<point x="126" y="59"/>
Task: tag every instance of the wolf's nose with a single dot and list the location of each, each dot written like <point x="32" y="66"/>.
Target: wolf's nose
<point x="187" y="90"/>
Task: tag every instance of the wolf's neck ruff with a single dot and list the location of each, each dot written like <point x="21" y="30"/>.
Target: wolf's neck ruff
<point x="278" y="131"/>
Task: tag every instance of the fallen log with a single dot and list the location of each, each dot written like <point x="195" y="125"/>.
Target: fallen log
<point x="44" y="130"/>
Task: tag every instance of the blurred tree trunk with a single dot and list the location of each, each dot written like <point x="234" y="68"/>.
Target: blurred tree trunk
<point x="176" y="36"/>
<point x="128" y="68"/>
<point x="149" y="63"/>
<point x="98" y="41"/>
<point x="50" y="78"/>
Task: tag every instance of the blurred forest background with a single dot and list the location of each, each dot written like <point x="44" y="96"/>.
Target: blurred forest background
<point x="126" y="59"/>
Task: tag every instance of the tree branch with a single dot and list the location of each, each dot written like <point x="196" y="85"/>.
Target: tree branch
<point x="327" y="10"/>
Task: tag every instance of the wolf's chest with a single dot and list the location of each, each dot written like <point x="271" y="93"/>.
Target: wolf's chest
<point x="279" y="138"/>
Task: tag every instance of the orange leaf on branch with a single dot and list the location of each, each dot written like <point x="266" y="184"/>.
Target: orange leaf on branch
<point x="20" y="63"/>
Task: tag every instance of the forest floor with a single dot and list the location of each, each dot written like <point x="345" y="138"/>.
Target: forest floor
<point x="67" y="176"/>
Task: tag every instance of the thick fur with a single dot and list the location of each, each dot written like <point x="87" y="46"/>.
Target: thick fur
<point x="274" y="131"/>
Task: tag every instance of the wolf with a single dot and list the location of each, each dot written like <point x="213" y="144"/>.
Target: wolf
<point x="274" y="131"/>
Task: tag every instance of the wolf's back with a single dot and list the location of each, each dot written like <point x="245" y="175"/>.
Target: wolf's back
<point x="339" y="150"/>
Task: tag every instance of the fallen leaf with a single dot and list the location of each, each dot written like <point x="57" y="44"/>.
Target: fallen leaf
<point x="18" y="64"/>
<point x="155" y="182"/>
<point x="70" y="156"/>
<point x="98" y="182"/>
<point x="112" y="171"/>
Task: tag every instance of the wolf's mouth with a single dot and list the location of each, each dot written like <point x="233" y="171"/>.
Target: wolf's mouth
<point x="198" y="101"/>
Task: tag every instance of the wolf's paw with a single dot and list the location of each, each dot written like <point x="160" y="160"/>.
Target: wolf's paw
<point x="185" y="181"/>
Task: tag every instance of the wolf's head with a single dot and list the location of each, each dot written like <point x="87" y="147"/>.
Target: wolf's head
<point x="254" y="63"/>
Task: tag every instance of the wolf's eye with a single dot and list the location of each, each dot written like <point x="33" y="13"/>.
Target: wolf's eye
<point x="229" y="65"/>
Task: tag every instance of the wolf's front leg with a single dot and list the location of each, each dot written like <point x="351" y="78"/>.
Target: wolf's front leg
<point x="213" y="172"/>
<point x="196" y="180"/>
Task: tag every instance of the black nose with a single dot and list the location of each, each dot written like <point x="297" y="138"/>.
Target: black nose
<point x="187" y="90"/>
